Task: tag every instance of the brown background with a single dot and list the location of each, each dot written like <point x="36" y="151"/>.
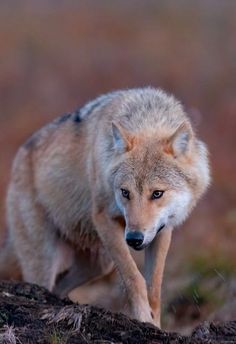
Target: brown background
<point x="56" y="55"/>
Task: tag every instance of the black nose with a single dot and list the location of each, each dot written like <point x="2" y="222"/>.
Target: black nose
<point x="134" y="239"/>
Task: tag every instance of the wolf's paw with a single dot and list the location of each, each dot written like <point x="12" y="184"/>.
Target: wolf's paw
<point x="156" y="319"/>
<point x="143" y="314"/>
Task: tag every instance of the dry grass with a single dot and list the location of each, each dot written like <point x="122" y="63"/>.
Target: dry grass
<point x="7" y="335"/>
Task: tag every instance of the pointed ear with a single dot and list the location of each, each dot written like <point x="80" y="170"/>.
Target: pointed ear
<point x="179" y="143"/>
<point x="122" y="140"/>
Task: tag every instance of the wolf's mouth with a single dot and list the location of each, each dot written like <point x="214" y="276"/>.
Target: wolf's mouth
<point x="142" y="246"/>
<point x="139" y="248"/>
<point x="162" y="226"/>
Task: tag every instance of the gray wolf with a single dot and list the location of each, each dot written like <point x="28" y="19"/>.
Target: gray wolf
<point x="122" y="171"/>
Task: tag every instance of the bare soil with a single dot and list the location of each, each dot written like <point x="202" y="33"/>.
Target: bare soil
<point x="30" y="314"/>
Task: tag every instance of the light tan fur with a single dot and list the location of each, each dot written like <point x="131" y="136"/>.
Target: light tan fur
<point x="67" y="215"/>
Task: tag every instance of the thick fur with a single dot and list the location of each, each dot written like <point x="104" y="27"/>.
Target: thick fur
<point x="66" y="213"/>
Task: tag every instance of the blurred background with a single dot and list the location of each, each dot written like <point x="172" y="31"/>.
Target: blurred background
<point x="56" y="55"/>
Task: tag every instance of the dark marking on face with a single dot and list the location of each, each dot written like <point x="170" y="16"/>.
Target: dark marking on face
<point x="139" y="185"/>
<point x="120" y="220"/>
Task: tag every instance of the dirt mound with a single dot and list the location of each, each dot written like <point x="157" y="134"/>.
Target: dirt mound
<point x="30" y="314"/>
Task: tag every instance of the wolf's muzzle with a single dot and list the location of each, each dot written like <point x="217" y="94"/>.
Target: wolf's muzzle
<point x="134" y="239"/>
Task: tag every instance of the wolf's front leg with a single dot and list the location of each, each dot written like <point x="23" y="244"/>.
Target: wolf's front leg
<point x="112" y="237"/>
<point x="155" y="257"/>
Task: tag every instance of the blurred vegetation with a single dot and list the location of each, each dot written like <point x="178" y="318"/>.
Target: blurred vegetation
<point x="203" y="291"/>
<point x="209" y="274"/>
<point x="211" y="264"/>
<point x="57" y="337"/>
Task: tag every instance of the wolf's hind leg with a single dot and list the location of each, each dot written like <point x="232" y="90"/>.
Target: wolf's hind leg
<point x="82" y="271"/>
<point x="47" y="264"/>
<point x="40" y="252"/>
<point x="9" y="266"/>
<point x="41" y="260"/>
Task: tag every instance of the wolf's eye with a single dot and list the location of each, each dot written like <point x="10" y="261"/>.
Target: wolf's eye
<point x="125" y="193"/>
<point x="157" y="194"/>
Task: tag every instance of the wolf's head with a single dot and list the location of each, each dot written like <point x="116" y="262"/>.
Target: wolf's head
<point x="158" y="177"/>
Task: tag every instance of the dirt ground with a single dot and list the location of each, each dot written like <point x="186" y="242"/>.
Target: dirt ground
<point x="30" y="314"/>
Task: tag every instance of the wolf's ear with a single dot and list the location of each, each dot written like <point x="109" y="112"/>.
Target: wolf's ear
<point x="122" y="140"/>
<point x="179" y="143"/>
